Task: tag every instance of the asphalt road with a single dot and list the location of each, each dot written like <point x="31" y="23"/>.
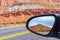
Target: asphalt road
<point x="5" y="32"/>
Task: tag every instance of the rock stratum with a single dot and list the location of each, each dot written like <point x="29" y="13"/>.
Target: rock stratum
<point x="23" y="15"/>
<point x="19" y="11"/>
<point x="44" y="3"/>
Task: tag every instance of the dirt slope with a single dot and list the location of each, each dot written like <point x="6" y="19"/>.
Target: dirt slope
<point x="40" y="28"/>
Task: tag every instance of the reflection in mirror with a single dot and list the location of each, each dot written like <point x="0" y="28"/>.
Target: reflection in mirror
<point x="42" y="25"/>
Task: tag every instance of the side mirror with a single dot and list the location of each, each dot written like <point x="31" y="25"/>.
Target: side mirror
<point x="44" y="25"/>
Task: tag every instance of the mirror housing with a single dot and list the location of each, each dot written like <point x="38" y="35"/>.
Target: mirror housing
<point x="42" y="25"/>
<point x="55" y="29"/>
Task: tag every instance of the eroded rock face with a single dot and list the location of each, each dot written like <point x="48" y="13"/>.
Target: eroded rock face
<point x="44" y="3"/>
<point x="28" y="9"/>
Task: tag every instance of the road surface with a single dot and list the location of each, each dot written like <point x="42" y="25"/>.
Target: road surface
<point x="20" y="33"/>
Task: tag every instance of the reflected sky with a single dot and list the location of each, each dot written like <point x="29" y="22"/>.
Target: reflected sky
<point x="47" y="21"/>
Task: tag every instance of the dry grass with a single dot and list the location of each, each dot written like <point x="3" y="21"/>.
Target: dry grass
<point x="12" y="25"/>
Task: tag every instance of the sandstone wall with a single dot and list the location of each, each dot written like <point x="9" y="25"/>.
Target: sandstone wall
<point x="24" y="15"/>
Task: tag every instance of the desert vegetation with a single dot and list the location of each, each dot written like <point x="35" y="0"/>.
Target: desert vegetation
<point x="17" y="17"/>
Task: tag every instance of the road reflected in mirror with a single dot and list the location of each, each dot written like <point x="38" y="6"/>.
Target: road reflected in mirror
<point x="42" y="25"/>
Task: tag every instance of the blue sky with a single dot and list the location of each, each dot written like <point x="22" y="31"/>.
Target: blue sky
<point x="47" y="21"/>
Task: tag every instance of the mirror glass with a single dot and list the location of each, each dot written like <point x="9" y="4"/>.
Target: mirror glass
<point x="42" y="25"/>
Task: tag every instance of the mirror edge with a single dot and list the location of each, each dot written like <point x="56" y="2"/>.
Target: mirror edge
<point x="41" y="16"/>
